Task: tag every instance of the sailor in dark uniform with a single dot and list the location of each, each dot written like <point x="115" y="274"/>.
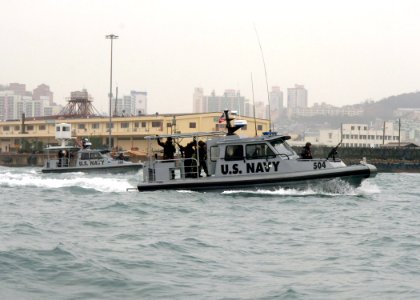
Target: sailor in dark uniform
<point x="306" y="151"/>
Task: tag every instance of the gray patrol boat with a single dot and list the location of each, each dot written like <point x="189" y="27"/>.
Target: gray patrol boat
<point x="235" y="162"/>
<point x="81" y="158"/>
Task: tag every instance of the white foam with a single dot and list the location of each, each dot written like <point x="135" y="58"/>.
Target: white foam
<point x="35" y="179"/>
<point x="335" y="187"/>
<point x="368" y="188"/>
<point x="280" y="192"/>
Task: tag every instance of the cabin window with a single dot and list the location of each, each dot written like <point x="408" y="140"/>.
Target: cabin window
<point x="193" y="125"/>
<point x="214" y="153"/>
<point x="84" y="156"/>
<point x="95" y="155"/>
<point x="234" y="152"/>
<point x="259" y="151"/>
<point x="283" y="148"/>
<point x="124" y="125"/>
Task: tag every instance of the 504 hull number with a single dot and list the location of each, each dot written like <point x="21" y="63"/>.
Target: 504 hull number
<point x="319" y="165"/>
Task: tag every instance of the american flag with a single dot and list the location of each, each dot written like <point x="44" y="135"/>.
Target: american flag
<point x="222" y="118"/>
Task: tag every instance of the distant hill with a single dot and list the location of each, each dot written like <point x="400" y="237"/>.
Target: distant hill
<point x="384" y="108"/>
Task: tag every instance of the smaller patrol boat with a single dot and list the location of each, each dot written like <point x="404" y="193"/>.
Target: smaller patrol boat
<point x="235" y="162"/>
<point x="81" y="158"/>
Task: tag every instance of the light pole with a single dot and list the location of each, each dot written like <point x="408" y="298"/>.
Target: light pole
<point x="111" y="37"/>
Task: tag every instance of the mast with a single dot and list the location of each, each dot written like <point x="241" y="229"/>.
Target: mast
<point x="111" y="37"/>
<point x="266" y="79"/>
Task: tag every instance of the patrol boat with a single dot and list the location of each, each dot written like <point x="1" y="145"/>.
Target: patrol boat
<point x="81" y="158"/>
<point x="245" y="163"/>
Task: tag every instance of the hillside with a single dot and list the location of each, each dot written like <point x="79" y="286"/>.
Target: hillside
<point x="384" y="108"/>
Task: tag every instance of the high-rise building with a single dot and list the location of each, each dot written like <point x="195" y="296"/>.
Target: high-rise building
<point x="140" y="102"/>
<point x="18" y="89"/>
<point x="231" y="100"/>
<point x="15" y="100"/>
<point x="134" y="104"/>
<point x="276" y="99"/>
<point x="43" y="92"/>
<point x="199" y="105"/>
<point x="8" y="105"/>
<point x="297" y="97"/>
<point x="276" y="104"/>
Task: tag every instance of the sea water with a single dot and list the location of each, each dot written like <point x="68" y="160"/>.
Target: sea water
<point x="81" y="236"/>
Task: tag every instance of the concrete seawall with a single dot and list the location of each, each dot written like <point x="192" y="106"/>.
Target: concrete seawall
<point x="21" y="159"/>
<point x="385" y="159"/>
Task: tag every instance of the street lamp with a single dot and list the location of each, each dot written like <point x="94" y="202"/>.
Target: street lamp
<point x="111" y="37"/>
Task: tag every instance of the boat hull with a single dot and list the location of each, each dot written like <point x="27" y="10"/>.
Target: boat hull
<point x="353" y="175"/>
<point x="121" y="168"/>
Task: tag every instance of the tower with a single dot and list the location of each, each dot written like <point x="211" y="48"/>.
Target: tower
<point x="79" y="105"/>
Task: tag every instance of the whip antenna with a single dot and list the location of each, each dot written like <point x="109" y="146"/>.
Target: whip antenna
<point x="266" y="80"/>
<point x="253" y="105"/>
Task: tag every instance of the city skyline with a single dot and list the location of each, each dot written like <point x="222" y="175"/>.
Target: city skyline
<point x="343" y="53"/>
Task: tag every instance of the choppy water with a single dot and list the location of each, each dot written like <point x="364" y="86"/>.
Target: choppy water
<point x="79" y="236"/>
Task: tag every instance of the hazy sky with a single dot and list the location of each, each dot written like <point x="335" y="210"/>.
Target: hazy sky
<point x="342" y="51"/>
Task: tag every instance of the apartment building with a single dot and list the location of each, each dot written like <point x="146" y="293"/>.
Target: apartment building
<point x="15" y="100"/>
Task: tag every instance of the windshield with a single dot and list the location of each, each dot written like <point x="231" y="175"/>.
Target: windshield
<point x="282" y="147"/>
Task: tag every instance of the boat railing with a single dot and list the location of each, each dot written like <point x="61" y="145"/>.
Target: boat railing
<point x="171" y="169"/>
<point x="62" y="162"/>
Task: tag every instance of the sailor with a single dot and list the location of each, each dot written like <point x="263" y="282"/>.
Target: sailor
<point x="202" y="153"/>
<point x="60" y="157"/>
<point x="189" y="163"/>
<point x="306" y="151"/>
<point x="168" y="148"/>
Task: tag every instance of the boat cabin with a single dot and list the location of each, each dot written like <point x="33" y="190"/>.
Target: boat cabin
<point x="224" y="156"/>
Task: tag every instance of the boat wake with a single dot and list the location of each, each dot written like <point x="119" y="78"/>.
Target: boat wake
<point x="335" y="187"/>
<point x="32" y="178"/>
